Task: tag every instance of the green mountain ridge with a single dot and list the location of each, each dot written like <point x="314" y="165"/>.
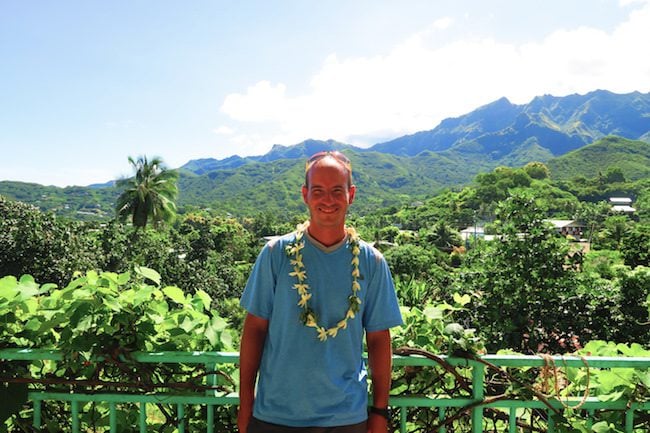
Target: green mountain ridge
<point x="632" y="157"/>
<point x="559" y="124"/>
<point x="569" y="133"/>
<point x="383" y="180"/>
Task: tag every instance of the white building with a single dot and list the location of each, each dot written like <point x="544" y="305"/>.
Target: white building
<point x="621" y="204"/>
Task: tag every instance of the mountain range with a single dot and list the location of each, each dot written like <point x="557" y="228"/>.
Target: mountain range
<point x="503" y="132"/>
<point x="567" y="133"/>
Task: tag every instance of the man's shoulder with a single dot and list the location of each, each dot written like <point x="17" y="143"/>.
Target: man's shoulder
<point x="370" y="250"/>
<point x="274" y="243"/>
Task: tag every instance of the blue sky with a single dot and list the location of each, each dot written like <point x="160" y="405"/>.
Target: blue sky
<point x="85" y="84"/>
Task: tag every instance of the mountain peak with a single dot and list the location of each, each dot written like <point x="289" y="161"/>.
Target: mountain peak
<point x="557" y="124"/>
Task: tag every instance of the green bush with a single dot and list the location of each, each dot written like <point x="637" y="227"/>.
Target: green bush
<point x="97" y="321"/>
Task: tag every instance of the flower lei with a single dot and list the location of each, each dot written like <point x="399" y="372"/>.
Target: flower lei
<point x="308" y="316"/>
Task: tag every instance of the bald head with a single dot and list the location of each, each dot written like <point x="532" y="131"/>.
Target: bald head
<point x="329" y="160"/>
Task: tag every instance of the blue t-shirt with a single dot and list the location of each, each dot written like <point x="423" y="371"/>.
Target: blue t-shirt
<point x="303" y="381"/>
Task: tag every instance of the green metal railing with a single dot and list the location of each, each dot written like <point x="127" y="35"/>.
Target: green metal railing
<point x="475" y="403"/>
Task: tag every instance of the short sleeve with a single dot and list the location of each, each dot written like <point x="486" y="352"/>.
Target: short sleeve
<point x="257" y="298"/>
<point x="382" y="308"/>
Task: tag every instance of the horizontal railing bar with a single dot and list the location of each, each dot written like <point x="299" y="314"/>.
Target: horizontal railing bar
<point x="30" y="355"/>
<point x="14" y="354"/>
<point x="230" y="398"/>
<point x="589" y="404"/>
<point x="414" y="360"/>
<point x="439" y="401"/>
<point x="395" y="401"/>
<point x="529" y="361"/>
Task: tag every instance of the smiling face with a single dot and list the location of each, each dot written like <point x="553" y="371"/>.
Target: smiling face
<point x="328" y="195"/>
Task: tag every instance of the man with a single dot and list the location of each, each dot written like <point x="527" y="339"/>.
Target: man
<point x="310" y="297"/>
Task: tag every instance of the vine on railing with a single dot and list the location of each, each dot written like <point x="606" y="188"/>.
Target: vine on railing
<point x="428" y="331"/>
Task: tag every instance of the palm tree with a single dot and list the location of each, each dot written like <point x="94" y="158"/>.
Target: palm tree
<point x="444" y="237"/>
<point x="151" y="194"/>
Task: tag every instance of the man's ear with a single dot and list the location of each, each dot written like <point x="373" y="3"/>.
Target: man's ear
<point x="352" y="191"/>
<point x="305" y="191"/>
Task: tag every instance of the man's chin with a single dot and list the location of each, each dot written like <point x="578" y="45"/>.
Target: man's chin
<point x="328" y="219"/>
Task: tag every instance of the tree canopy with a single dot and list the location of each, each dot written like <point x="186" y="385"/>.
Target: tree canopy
<point x="150" y="194"/>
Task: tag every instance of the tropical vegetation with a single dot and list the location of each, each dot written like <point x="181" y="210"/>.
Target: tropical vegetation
<point x="150" y="194"/>
<point x="94" y="290"/>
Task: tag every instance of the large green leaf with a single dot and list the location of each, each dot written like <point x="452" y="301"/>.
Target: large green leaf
<point x="433" y="313"/>
<point x="8" y="287"/>
<point x="149" y="274"/>
<point x="175" y="294"/>
<point x="204" y="298"/>
<point x="27" y="287"/>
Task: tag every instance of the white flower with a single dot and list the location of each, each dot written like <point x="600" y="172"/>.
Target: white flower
<point x="299" y="271"/>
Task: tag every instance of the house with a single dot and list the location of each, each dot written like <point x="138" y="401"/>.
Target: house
<point x="474" y="232"/>
<point x="568" y="228"/>
<point x="621" y="204"/>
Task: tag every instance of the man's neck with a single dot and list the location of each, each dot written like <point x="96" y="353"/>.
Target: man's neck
<point x="327" y="236"/>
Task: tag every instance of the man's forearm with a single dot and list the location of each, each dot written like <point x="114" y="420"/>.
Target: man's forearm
<point x="380" y="359"/>
<point x="250" y="354"/>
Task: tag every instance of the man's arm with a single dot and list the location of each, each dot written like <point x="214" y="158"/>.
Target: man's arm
<point x="250" y="354"/>
<point x="380" y="360"/>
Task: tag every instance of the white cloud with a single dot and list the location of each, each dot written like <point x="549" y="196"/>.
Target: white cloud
<point x="414" y="86"/>
<point x="443" y="23"/>
<point x="630" y="2"/>
<point x="262" y="102"/>
<point x="224" y="130"/>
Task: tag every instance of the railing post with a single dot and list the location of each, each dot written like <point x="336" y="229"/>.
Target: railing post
<point x="512" y="420"/>
<point x="442" y="413"/>
<point x="550" y="426"/>
<point x="478" y="394"/>
<point x="143" y="417"/>
<point x="181" y="418"/>
<point x="402" y="419"/>
<point x="112" y="417"/>
<point x="37" y="414"/>
<point x="212" y="381"/>
<point x="74" y="405"/>
<point x="629" y="420"/>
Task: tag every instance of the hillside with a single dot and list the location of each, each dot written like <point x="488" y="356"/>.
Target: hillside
<point x="78" y="202"/>
<point x="383" y="180"/>
<point x="632" y="157"/>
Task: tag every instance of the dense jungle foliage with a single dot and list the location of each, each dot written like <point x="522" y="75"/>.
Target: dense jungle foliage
<point x="105" y="288"/>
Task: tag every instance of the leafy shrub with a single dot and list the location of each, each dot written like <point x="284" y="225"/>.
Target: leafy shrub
<point x="97" y="321"/>
<point x="35" y="243"/>
<point x="410" y="261"/>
